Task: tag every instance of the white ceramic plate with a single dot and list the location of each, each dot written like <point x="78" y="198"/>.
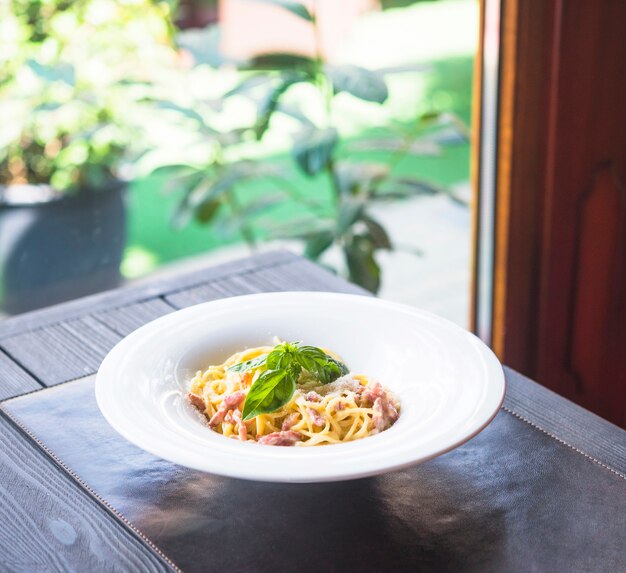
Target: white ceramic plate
<point x="450" y="385"/>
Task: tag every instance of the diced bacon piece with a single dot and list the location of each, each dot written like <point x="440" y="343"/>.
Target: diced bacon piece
<point x="373" y="392"/>
<point x="385" y="413"/>
<point x="242" y="430"/>
<point x="230" y="402"/>
<point x="379" y="415"/>
<point x="313" y="397"/>
<point x="289" y="421"/>
<point x="316" y="418"/>
<point x="196" y="401"/>
<point x="392" y="412"/>
<point x="288" y="438"/>
<point x="233" y="400"/>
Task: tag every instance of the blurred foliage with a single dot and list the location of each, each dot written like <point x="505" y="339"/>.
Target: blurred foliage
<point x="71" y="73"/>
<point x="212" y="187"/>
<point x="390" y="4"/>
<point x="89" y="85"/>
<point x="449" y="85"/>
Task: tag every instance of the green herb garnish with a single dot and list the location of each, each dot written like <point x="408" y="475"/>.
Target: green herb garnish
<point x="283" y="365"/>
<point x="249" y="364"/>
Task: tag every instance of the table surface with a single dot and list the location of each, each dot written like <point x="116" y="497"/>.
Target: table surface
<point x="542" y="488"/>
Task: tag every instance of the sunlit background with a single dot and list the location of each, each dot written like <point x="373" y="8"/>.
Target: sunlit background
<point x="142" y="138"/>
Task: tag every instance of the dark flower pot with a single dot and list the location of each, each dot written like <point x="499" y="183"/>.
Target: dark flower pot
<point x="55" y="247"/>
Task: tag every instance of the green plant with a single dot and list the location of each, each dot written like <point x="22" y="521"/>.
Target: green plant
<point x="69" y="72"/>
<point x="212" y="189"/>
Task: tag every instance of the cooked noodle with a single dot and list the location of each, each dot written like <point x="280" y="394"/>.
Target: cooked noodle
<point x="347" y="409"/>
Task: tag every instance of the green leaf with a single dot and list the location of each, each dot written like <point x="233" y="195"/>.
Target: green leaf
<point x="362" y="267"/>
<point x="313" y="149"/>
<point x="416" y="187"/>
<point x="285" y="62"/>
<point x="378" y="234"/>
<point x="450" y="135"/>
<point x="212" y="189"/>
<point x="179" y="177"/>
<point x="330" y="370"/>
<point x="317" y="244"/>
<point x="184" y="211"/>
<point x="207" y="210"/>
<point x="249" y="364"/>
<point x="271" y="391"/>
<point x="295" y="113"/>
<point x="282" y="355"/>
<point x="302" y="228"/>
<point x="292" y="6"/>
<point x="424" y="146"/>
<point x="174" y="170"/>
<point x="324" y="367"/>
<point x="269" y="103"/>
<point x="359" y="82"/>
<point x="357" y="178"/>
<point x="246" y="213"/>
<point x="350" y="211"/>
<point x="62" y="72"/>
<point x="184" y="111"/>
<point x="249" y="84"/>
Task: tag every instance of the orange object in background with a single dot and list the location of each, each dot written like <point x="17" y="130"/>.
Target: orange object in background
<point x="252" y="28"/>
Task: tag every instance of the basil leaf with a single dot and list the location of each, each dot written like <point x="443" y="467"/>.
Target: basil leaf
<point x="274" y="357"/>
<point x="271" y="390"/>
<point x="248" y="364"/>
<point x="276" y="385"/>
<point x="343" y="368"/>
<point x="327" y="372"/>
<point x="282" y="356"/>
<point x="324" y="367"/>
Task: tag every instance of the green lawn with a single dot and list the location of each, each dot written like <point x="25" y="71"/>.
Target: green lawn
<point x="446" y="86"/>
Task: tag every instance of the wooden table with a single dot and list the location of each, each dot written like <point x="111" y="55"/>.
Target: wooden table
<point x="543" y="488"/>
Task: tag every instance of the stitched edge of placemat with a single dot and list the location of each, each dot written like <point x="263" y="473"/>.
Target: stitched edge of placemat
<point x="563" y="442"/>
<point x="566" y="421"/>
<point x="70" y="472"/>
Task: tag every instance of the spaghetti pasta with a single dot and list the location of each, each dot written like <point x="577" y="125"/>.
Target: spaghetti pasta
<point x="349" y="408"/>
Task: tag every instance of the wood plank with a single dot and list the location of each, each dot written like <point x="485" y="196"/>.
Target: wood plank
<point x="306" y="275"/>
<point x="66" y="311"/>
<point x="64" y="351"/>
<point x="298" y="275"/>
<point x="125" y="319"/>
<point x="13" y="379"/>
<point x="49" y="523"/>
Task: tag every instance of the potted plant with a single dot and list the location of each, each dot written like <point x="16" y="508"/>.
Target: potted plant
<point x="231" y="188"/>
<point x="71" y="73"/>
